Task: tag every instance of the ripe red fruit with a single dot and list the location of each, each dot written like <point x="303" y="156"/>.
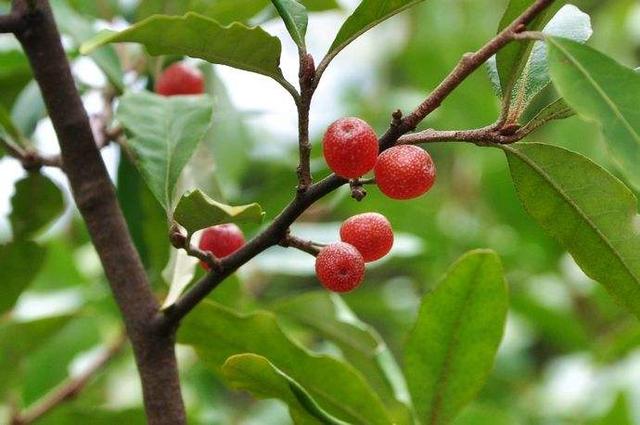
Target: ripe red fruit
<point x="340" y="267"/>
<point x="180" y="79"/>
<point x="369" y="233"/>
<point x="405" y="172"/>
<point x="350" y="147"/>
<point x="221" y="240"/>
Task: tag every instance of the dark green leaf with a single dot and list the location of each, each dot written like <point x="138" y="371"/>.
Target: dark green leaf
<point x="257" y="375"/>
<point x="196" y="211"/>
<point x="451" y="349"/>
<point x="367" y="15"/>
<point x="218" y="333"/>
<point x="26" y="219"/>
<point x="165" y="132"/>
<point x="295" y="19"/>
<point x="601" y="90"/>
<point x="236" y="45"/>
<point x="360" y="344"/>
<point x="590" y="212"/>
<point x="20" y="262"/>
<point x="554" y="111"/>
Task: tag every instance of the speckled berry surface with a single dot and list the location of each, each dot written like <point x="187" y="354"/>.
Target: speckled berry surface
<point x="180" y="79"/>
<point x="340" y="267"/>
<point x="370" y="233"/>
<point x="221" y="240"/>
<point x="350" y="147"/>
<point x="405" y="172"/>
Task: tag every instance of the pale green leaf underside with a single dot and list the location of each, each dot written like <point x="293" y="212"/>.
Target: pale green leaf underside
<point x="367" y="15"/>
<point x="601" y="90"/>
<point x="165" y="132"/>
<point x="261" y="378"/>
<point x="590" y="212"/>
<point x="218" y="333"/>
<point x="196" y="211"/>
<point x="451" y="349"/>
<point x="295" y="19"/>
<point x="235" y="45"/>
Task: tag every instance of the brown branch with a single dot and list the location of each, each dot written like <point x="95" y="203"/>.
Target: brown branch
<point x="277" y="230"/>
<point x="71" y="387"/>
<point x="11" y="23"/>
<point x="307" y="77"/>
<point x="96" y="200"/>
<point x="291" y="241"/>
<point x="472" y="61"/>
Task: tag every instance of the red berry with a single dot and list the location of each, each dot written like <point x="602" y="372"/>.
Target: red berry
<point x="369" y="233"/>
<point x="350" y="147"/>
<point x="340" y="267"/>
<point x="180" y="79"/>
<point x="221" y="240"/>
<point x="405" y="172"/>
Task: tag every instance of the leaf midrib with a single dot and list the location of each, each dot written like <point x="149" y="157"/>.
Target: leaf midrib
<point x="443" y="377"/>
<point x="574" y="206"/>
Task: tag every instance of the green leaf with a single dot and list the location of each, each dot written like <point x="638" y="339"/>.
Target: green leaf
<point x="165" y="132"/>
<point x="590" y="212"/>
<point x="18" y="339"/>
<point x="26" y="219"/>
<point x="20" y="262"/>
<point x="570" y="22"/>
<point x="360" y="344"/>
<point x="28" y="109"/>
<point x="80" y="29"/>
<point x="556" y="110"/>
<point x="257" y="375"/>
<point x="196" y="211"/>
<point x="217" y="333"/>
<point x="367" y="15"/>
<point x="235" y="45"/>
<point x="511" y="60"/>
<point x="618" y="414"/>
<point x="8" y="129"/>
<point x="295" y="19"/>
<point x="604" y="91"/>
<point x="451" y="349"/>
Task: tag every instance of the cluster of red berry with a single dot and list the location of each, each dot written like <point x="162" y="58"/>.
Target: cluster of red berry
<point x="350" y="148"/>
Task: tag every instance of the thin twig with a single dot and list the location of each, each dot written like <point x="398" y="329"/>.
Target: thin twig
<point x="307" y="77"/>
<point x="180" y="241"/>
<point x="291" y="241"/>
<point x="277" y="230"/>
<point x="71" y="387"/>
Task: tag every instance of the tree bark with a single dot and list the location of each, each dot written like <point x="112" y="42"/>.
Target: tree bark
<point x="95" y="197"/>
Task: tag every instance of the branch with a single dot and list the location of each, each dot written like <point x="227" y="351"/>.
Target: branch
<point x="11" y="23"/>
<point x="309" y="247"/>
<point x="71" y="387"/>
<point x="180" y="241"/>
<point x="278" y="229"/>
<point x="96" y="200"/>
<point x="470" y="62"/>
<point x="307" y="78"/>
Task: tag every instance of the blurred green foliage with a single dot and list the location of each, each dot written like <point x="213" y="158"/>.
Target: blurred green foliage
<point x="557" y="316"/>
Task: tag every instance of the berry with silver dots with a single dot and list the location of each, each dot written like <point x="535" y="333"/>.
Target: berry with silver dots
<point x="350" y="147"/>
<point x="370" y="233"/>
<point x="221" y="240"/>
<point x="405" y="172"/>
<point x="340" y="267"/>
<point x="180" y="79"/>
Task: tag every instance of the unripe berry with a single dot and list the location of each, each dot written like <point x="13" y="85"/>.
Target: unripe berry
<point x="369" y="233"/>
<point x="179" y="79"/>
<point x="404" y="172"/>
<point x="350" y="147"/>
<point x="340" y="267"/>
<point x="221" y="240"/>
